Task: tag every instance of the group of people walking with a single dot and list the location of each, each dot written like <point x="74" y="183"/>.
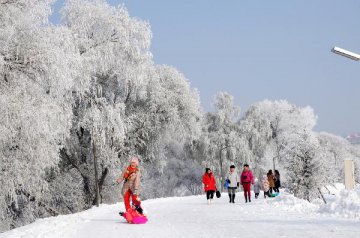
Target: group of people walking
<point x="269" y="183"/>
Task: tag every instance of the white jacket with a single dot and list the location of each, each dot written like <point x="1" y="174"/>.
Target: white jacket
<point x="234" y="179"/>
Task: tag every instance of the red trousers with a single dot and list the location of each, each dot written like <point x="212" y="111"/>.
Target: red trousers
<point x="127" y="196"/>
<point x="247" y="191"/>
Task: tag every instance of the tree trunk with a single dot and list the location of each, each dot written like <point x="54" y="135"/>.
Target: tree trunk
<point x="322" y="196"/>
<point x="101" y="182"/>
<point x="274" y="164"/>
<point x="97" y="192"/>
<point x="221" y="172"/>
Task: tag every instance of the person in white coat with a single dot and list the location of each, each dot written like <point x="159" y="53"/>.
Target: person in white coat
<point x="233" y="180"/>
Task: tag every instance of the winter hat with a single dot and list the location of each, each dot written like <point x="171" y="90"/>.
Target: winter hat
<point x="134" y="159"/>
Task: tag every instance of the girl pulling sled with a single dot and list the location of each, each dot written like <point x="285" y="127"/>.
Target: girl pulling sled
<point x="130" y="190"/>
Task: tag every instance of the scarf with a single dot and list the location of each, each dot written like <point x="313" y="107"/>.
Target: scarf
<point x="129" y="171"/>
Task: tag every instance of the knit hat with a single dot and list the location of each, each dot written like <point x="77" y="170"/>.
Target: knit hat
<point x="134" y="159"/>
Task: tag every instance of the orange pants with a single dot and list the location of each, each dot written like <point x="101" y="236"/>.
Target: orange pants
<point x="127" y="196"/>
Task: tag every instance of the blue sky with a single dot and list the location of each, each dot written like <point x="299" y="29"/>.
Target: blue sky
<point x="259" y="50"/>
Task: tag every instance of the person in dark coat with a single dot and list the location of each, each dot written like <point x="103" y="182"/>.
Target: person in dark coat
<point x="277" y="181"/>
<point x="271" y="179"/>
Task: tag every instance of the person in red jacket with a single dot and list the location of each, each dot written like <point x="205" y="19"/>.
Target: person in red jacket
<point x="209" y="184"/>
<point x="246" y="180"/>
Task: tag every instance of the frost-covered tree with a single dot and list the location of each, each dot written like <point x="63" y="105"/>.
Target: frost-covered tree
<point x="181" y="175"/>
<point x="114" y="50"/>
<point x="171" y="106"/>
<point x="130" y="106"/>
<point x="355" y="155"/>
<point x="305" y="167"/>
<point x="221" y="139"/>
<point x="267" y="125"/>
<point x="334" y="150"/>
<point x="76" y="101"/>
<point x="257" y="129"/>
<point x="281" y="136"/>
<point x="38" y="67"/>
<point x="169" y="115"/>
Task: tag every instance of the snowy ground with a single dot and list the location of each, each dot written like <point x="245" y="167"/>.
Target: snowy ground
<point x="284" y="216"/>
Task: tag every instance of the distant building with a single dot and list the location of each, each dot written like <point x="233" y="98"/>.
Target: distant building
<point x="354" y="138"/>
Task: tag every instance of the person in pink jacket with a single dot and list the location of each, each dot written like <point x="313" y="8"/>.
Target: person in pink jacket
<point x="246" y="179"/>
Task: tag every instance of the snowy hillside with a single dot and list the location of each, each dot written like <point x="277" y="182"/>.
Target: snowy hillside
<point x="284" y="216"/>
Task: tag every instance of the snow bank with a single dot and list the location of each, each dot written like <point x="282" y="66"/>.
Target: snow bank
<point x="345" y="204"/>
<point x="341" y="203"/>
<point x="336" y="188"/>
<point x="288" y="202"/>
<point x="58" y="226"/>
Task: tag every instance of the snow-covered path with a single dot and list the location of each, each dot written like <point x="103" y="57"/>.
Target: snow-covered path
<point x="192" y="217"/>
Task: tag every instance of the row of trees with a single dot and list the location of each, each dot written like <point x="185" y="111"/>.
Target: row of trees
<point x="276" y="135"/>
<point x="78" y="99"/>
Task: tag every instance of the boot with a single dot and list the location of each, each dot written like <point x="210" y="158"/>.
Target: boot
<point x="233" y="198"/>
<point x="208" y="201"/>
<point x="230" y="198"/>
<point x="246" y="199"/>
<point x="249" y="199"/>
<point x="139" y="209"/>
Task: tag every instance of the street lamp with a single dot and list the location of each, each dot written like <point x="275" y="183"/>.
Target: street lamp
<point x="348" y="163"/>
<point x="346" y="53"/>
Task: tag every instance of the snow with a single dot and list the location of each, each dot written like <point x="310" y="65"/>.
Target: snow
<point x="284" y="216"/>
<point x="289" y="202"/>
<point x="343" y="203"/>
